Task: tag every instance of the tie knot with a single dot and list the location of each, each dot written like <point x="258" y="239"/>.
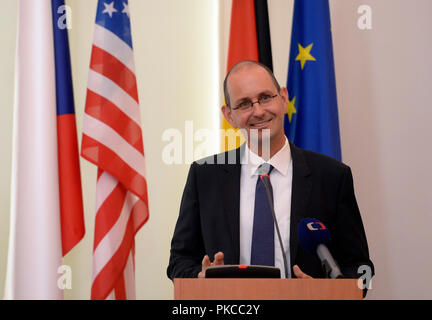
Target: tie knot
<point x="265" y="168"/>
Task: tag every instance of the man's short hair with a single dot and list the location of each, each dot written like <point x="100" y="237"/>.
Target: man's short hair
<point x="238" y="65"/>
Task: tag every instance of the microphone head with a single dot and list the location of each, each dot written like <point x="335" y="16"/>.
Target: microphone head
<point x="311" y="233"/>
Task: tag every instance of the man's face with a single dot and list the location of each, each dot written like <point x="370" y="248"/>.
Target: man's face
<point x="251" y="83"/>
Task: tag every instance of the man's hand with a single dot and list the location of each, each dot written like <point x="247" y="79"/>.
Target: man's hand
<point x="300" y="274"/>
<point x="218" y="261"/>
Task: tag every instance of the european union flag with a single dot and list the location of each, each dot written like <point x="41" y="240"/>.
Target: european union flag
<point x="312" y="116"/>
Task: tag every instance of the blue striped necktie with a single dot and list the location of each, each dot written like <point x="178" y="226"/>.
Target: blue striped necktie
<point x="262" y="252"/>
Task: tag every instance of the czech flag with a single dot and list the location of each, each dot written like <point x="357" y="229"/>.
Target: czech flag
<point x="46" y="218"/>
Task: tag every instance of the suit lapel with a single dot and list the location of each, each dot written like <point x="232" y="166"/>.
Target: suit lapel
<point x="230" y="184"/>
<point x="301" y="188"/>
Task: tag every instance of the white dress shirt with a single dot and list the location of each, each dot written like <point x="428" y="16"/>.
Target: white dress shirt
<point x="281" y="180"/>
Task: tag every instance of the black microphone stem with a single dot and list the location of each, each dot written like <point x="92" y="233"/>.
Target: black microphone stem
<point x="269" y="197"/>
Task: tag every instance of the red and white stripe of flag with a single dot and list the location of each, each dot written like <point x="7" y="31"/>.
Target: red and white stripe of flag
<point x="112" y="139"/>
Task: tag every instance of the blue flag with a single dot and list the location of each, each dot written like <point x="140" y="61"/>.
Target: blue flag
<point x="311" y="120"/>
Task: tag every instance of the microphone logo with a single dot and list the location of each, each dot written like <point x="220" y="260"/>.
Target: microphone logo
<point x="313" y="226"/>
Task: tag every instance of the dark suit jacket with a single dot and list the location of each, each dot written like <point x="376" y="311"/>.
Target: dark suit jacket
<point x="208" y="221"/>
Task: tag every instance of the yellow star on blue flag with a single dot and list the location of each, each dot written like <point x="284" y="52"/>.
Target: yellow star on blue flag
<point x="311" y="120"/>
<point x="291" y="108"/>
<point x="304" y="54"/>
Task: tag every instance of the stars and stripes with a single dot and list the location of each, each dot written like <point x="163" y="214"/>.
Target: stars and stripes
<point x="112" y="140"/>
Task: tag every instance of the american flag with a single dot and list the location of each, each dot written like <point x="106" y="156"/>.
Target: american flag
<point x="112" y="140"/>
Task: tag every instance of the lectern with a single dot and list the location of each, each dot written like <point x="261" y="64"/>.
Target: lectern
<point x="267" y="289"/>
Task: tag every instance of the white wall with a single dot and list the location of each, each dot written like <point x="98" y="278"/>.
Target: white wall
<point x="383" y="79"/>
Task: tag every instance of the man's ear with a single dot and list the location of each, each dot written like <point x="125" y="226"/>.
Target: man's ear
<point x="284" y="95"/>
<point x="227" y="112"/>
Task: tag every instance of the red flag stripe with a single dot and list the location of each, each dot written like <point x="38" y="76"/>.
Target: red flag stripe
<point x="128" y="278"/>
<point x="107" y="65"/>
<point x="107" y="183"/>
<point x="70" y="192"/>
<point x="128" y="275"/>
<point x="112" y="140"/>
<point x="108" y="89"/>
<point x="103" y="133"/>
<point x="108" y="41"/>
<point x="128" y="281"/>
<point x="243" y="43"/>
<point x="106" y="159"/>
<point x="110" y="210"/>
<point x="113" y="270"/>
<point x="112" y="240"/>
<point x="105" y="111"/>
<point x="108" y="213"/>
<point x="113" y="267"/>
<point x="119" y="289"/>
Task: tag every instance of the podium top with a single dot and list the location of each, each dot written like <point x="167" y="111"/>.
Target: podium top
<point x="267" y="289"/>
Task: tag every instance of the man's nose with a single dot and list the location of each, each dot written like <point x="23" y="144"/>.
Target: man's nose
<point x="258" y="109"/>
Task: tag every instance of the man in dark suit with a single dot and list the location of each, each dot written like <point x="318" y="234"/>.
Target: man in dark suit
<point x="216" y="216"/>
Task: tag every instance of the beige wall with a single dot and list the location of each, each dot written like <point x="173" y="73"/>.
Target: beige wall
<point x="8" y="21"/>
<point x="384" y="83"/>
<point x="383" y="80"/>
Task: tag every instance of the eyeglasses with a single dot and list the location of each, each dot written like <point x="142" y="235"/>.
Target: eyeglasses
<point x="264" y="100"/>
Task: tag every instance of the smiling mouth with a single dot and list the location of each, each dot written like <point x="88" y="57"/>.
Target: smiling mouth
<point x="260" y="125"/>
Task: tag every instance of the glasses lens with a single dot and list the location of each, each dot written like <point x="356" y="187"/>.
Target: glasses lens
<point x="266" y="99"/>
<point x="244" y="105"/>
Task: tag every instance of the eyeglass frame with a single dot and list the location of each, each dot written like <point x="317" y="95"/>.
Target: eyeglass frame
<point x="251" y="103"/>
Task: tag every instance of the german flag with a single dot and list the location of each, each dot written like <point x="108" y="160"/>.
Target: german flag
<point x="249" y="40"/>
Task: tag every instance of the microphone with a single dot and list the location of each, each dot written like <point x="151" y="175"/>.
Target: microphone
<point x="266" y="181"/>
<point x="314" y="237"/>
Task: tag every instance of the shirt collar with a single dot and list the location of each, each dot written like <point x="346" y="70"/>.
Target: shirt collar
<point x="280" y="160"/>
